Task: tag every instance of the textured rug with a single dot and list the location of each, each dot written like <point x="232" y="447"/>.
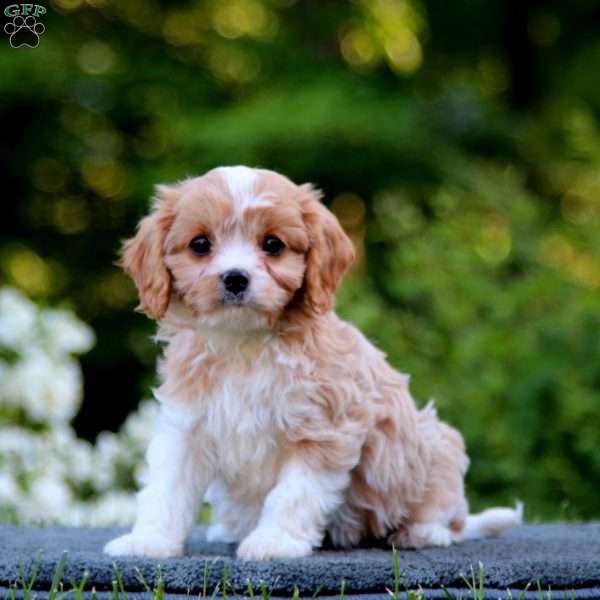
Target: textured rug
<point x="562" y="558"/>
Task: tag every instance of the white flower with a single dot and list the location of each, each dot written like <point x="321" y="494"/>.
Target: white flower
<point x="81" y="461"/>
<point x="48" y="498"/>
<point x="113" y="508"/>
<point x="78" y="515"/>
<point x="16" y="443"/>
<point x="48" y="390"/>
<point x="18" y="316"/>
<point x="108" y="451"/>
<point x="9" y="488"/>
<point x="47" y="474"/>
<point x="65" y="333"/>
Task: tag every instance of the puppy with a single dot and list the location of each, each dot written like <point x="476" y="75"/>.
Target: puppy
<point x="281" y="415"/>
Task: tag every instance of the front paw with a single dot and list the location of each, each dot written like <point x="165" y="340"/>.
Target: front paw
<point x="265" y="543"/>
<point x="143" y="544"/>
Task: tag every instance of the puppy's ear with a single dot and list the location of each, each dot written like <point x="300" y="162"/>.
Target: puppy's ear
<point x="143" y="255"/>
<point x="330" y="252"/>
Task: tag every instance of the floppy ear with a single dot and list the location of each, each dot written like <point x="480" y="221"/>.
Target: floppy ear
<point x="143" y="255"/>
<point x="330" y="252"/>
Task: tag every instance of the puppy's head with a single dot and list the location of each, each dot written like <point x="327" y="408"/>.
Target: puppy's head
<point x="238" y="247"/>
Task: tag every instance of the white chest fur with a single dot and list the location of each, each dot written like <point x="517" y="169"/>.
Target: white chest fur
<point x="243" y="398"/>
<point x="243" y="418"/>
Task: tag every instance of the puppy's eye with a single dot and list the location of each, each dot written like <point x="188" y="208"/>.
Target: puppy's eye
<point x="200" y="245"/>
<point x="273" y="246"/>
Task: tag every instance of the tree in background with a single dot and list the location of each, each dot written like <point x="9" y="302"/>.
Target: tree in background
<point x="457" y="142"/>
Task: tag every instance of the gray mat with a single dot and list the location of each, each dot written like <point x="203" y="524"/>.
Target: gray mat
<point x="560" y="557"/>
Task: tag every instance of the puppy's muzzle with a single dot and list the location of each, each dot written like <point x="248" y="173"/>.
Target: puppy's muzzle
<point x="235" y="285"/>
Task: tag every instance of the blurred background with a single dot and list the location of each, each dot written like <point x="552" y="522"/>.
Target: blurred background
<point x="457" y="142"/>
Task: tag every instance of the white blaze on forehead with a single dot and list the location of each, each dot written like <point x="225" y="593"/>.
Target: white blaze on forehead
<point x="241" y="183"/>
<point x="240" y="180"/>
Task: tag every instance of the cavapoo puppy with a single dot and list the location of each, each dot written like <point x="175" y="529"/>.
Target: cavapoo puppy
<point x="284" y="417"/>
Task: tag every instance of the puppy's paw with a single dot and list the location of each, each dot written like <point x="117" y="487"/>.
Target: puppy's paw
<point x="143" y="544"/>
<point x="218" y="532"/>
<point x="421" y="535"/>
<point x="434" y="535"/>
<point x="265" y="543"/>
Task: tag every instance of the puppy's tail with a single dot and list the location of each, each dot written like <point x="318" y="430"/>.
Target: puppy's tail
<point x="490" y="522"/>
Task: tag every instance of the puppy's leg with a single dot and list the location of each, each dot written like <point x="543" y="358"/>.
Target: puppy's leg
<point x="441" y="513"/>
<point x="295" y="513"/>
<point x="176" y="481"/>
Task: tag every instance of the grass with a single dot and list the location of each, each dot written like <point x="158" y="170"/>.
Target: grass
<point x="23" y="586"/>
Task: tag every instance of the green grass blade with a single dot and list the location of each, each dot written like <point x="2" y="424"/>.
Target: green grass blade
<point x="540" y="593"/>
<point x="77" y="589"/>
<point x="447" y="593"/>
<point x="119" y="577"/>
<point x="159" y="592"/>
<point x="250" y="589"/>
<point x="205" y="580"/>
<point x="140" y="577"/>
<point x="57" y="578"/>
<point x="27" y="586"/>
<point x="264" y="592"/>
<point x="524" y="591"/>
<point x="225" y="580"/>
<point x="396" y="563"/>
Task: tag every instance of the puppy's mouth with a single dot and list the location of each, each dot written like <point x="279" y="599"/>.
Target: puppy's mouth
<point x="231" y="299"/>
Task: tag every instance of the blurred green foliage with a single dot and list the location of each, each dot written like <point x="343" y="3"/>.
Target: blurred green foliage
<point x="457" y="142"/>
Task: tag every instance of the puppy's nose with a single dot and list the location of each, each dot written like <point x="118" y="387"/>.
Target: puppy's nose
<point x="235" y="281"/>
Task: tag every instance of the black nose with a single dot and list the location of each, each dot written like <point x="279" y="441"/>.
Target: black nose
<point x="235" y="281"/>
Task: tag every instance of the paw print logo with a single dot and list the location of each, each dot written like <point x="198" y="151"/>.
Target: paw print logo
<point x="24" y="31"/>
